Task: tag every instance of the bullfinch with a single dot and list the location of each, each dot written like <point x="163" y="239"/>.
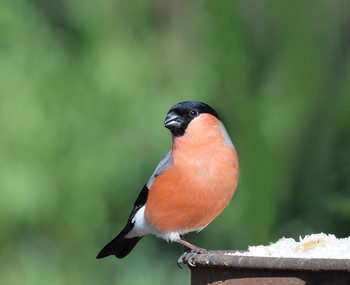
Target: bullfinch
<point x="191" y="185"/>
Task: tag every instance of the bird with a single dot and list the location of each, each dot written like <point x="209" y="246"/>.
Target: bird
<point x="191" y="185"/>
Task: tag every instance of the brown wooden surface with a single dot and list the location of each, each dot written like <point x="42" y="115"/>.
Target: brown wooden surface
<point x="218" y="268"/>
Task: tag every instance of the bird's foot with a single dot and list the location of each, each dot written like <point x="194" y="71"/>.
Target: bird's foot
<point x="189" y="256"/>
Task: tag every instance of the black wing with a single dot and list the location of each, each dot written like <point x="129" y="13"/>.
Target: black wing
<point x="121" y="246"/>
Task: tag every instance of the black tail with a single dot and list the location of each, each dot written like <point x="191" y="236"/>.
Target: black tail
<point x="120" y="246"/>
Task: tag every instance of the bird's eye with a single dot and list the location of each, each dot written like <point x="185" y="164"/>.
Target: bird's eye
<point x="193" y="113"/>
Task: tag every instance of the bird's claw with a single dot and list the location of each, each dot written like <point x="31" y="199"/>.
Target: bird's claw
<point x="181" y="260"/>
<point x="189" y="257"/>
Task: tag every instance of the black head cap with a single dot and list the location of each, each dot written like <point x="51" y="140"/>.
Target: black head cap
<point x="183" y="113"/>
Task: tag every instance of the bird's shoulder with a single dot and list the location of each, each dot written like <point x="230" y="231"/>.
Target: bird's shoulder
<point x="142" y="197"/>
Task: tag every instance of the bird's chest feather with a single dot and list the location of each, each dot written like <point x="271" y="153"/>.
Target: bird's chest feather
<point x="193" y="190"/>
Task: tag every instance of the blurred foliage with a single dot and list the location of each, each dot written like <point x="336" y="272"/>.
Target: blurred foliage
<point x="85" y="87"/>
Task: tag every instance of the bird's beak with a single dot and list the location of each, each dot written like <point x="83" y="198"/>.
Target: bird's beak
<point x="172" y="121"/>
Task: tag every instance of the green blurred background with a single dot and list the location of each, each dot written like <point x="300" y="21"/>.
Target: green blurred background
<point x="85" y="87"/>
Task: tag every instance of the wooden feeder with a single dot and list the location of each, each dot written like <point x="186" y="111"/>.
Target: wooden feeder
<point x="219" y="267"/>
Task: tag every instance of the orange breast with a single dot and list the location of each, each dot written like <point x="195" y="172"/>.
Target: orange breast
<point x="198" y="185"/>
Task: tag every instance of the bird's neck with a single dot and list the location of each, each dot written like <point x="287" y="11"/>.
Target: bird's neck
<point x="204" y="135"/>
